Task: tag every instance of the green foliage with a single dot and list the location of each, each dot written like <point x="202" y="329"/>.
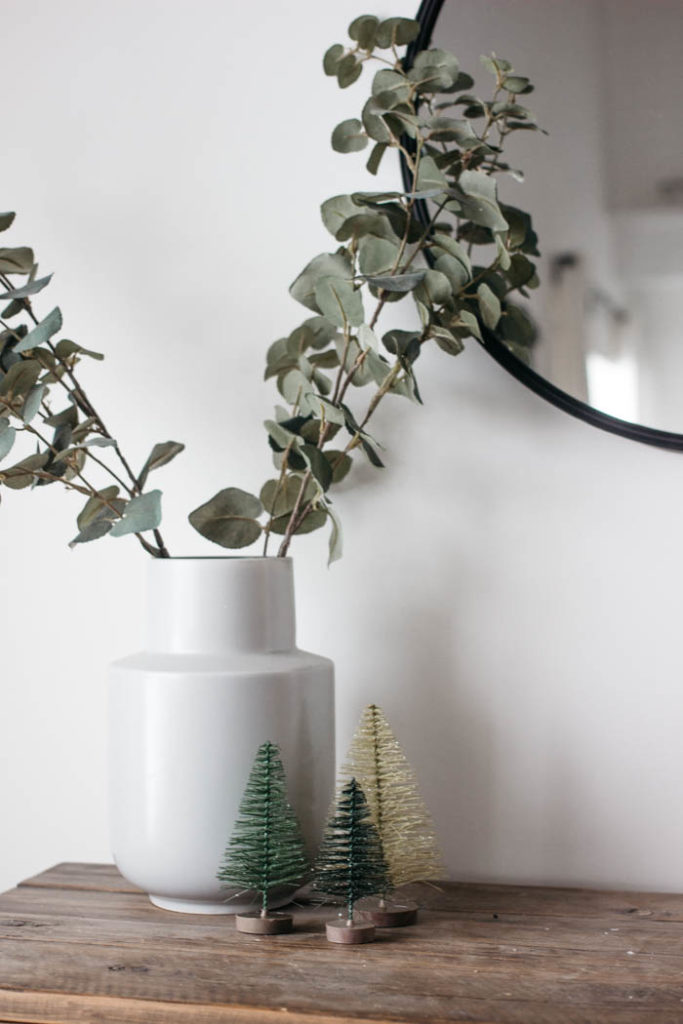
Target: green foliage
<point x="266" y="849"/>
<point x="72" y="443"/>
<point x="228" y="518"/>
<point x="350" y="863"/>
<point x="460" y="273"/>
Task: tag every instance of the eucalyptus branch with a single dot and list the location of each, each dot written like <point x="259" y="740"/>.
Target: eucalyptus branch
<point x="389" y="249"/>
<point x="26" y="372"/>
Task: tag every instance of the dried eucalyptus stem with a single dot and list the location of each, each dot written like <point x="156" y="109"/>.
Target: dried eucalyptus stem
<point x="33" y="366"/>
<point x="386" y="253"/>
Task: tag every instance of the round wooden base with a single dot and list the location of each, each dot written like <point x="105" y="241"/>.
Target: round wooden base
<point x="272" y="924"/>
<point x="391" y="915"/>
<point x="350" y="934"/>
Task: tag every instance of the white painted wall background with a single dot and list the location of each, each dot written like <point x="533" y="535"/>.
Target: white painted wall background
<point x="511" y="589"/>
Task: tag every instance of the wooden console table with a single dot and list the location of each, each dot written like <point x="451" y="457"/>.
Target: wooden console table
<point x="79" y="944"/>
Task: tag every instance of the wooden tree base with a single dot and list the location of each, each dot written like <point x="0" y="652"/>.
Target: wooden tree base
<point x="272" y="924"/>
<point x="391" y="915"/>
<point x="350" y="934"/>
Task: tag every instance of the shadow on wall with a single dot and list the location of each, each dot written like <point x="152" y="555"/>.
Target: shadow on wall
<point x="444" y="735"/>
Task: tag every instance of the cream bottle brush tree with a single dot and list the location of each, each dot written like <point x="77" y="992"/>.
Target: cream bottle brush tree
<point x="463" y="276"/>
<point x="404" y="824"/>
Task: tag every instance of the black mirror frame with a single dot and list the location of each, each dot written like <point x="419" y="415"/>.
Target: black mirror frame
<point x="427" y="16"/>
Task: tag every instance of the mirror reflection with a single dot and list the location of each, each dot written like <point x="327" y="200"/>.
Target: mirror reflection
<point x="604" y="187"/>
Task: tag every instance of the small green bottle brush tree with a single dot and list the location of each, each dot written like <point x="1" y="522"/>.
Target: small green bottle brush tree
<point x="403" y="823"/>
<point x="462" y="273"/>
<point x="266" y="851"/>
<point x="350" y="863"/>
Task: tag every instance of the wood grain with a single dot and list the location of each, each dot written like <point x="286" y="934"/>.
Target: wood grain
<point x="78" y="943"/>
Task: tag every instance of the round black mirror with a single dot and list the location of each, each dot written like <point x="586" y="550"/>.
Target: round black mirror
<point x="605" y="190"/>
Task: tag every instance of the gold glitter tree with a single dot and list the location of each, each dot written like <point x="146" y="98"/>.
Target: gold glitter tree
<point x="405" y="826"/>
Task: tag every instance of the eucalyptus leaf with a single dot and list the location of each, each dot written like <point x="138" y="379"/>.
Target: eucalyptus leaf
<point x="101" y="506"/>
<point x="396" y="32"/>
<point x="429" y="176"/>
<point x="453" y="269"/>
<point x="434" y="70"/>
<point x="6" y="220"/>
<point x="405" y="344"/>
<point x="313" y="521"/>
<point x="449" y="245"/>
<point x="336" y="211"/>
<point x="340" y="464"/>
<point x="517" y="84"/>
<point x="279" y="498"/>
<point x="489" y="304"/>
<point x="504" y="260"/>
<point x="160" y="455"/>
<point x="20" y="378"/>
<point x="376" y="255"/>
<point x="22" y="474"/>
<point x="435" y="288"/>
<point x="68" y="416"/>
<point x="339" y="301"/>
<point x="32" y="402"/>
<point x="349" y="137"/>
<point x="294" y="386"/>
<point x="363" y="30"/>
<point x="388" y="81"/>
<point x="32" y="288"/>
<point x="141" y="514"/>
<point x="325" y="265"/>
<point x="13" y="308"/>
<point x="470" y="322"/>
<point x="93" y="531"/>
<point x="7" y="437"/>
<point x="66" y="348"/>
<point x="477" y="195"/>
<point x="375" y="158"/>
<point x="16" y="261"/>
<point x="331" y="59"/>
<point x="447" y="341"/>
<point x="367" y="338"/>
<point x="42" y="332"/>
<point x="398" y="282"/>
<point x="318" y="465"/>
<point x="348" y="70"/>
<point x="374" y="123"/>
<point x="336" y="544"/>
<point x="280" y="434"/>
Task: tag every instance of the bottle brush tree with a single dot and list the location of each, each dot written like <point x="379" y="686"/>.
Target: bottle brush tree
<point x="266" y="850"/>
<point x="404" y="825"/>
<point x="350" y="862"/>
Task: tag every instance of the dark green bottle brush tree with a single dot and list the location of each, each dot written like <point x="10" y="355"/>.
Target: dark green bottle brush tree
<point x="266" y="851"/>
<point x="350" y="863"/>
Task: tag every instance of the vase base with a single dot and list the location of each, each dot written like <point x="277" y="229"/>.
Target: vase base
<point x="192" y="906"/>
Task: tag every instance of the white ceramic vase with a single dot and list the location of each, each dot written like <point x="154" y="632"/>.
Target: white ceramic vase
<point x="221" y="674"/>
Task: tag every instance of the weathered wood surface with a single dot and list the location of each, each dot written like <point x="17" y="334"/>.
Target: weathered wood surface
<point x="79" y="944"/>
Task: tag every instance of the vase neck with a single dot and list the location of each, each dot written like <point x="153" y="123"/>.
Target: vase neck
<point x="209" y="605"/>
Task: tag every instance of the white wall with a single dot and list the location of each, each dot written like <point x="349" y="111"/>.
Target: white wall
<point x="510" y="592"/>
